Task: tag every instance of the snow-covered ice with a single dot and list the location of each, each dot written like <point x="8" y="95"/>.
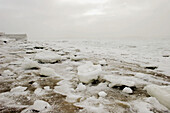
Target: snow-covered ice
<point x="85" y="76"/>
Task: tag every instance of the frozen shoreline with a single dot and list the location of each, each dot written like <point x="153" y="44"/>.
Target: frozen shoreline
<point x="134" y="65"/>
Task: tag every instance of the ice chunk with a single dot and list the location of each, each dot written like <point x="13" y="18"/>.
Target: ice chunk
<point x="47" y="57"/>
<point x="47" y="88"/>
<point x="72" y="98"/>
<point x="7" y="73"/>
<point x="103" y="63"/>
<point x="77" y="58"/>
<point x="155" y="103"/>
<point x="18" y="89"/>
<point x="127" y="90"/>
<point x="88" y="72"/>
<point x="47" y="71"/>
<point x="38" y="106"/>
<point x="102" y="94"/>
<point x="118" y="81"/>
<point x="141" y="107"/>
<point x="161" y="93"/>
<point x="29" y="64"/>
<point x="81" y="87"/>
<point x="39" y="91"/>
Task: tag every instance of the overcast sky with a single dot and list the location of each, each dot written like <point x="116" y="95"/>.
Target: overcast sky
<point x="54" y="19"/>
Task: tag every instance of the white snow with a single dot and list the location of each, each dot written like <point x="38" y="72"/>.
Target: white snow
<point x="127" y="90"/>
<point x="161" y="93"/>
<point x="102" y="94"/>
<point x="88" y="72"/>
<point x="47" y="57"/>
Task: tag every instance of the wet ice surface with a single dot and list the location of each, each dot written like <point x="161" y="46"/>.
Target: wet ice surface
<point x="47" y="73"/>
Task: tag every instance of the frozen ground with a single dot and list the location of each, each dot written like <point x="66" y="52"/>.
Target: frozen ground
<point x="85" y="76"/>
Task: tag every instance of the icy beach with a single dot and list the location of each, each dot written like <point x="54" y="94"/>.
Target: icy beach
<point x="117" y="76"/>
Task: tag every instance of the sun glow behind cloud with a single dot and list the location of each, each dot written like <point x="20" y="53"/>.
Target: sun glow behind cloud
<point x="85" y="18"/>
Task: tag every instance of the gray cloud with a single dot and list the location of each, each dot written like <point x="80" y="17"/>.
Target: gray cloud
<point x="54" y="19"/>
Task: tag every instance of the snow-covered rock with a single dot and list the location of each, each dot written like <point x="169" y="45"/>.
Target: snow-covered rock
<point x="102" y="94"/>
<point x="81" y="87"/>
<point x="127" y="90"/>
<point x="88" y="72"/>
<point x="47" y="71"/>
<point x="161" y="93"/>
<point x="29" y="64"/>
<point x="47" y="57"/>
<point x="38" y="106"/>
